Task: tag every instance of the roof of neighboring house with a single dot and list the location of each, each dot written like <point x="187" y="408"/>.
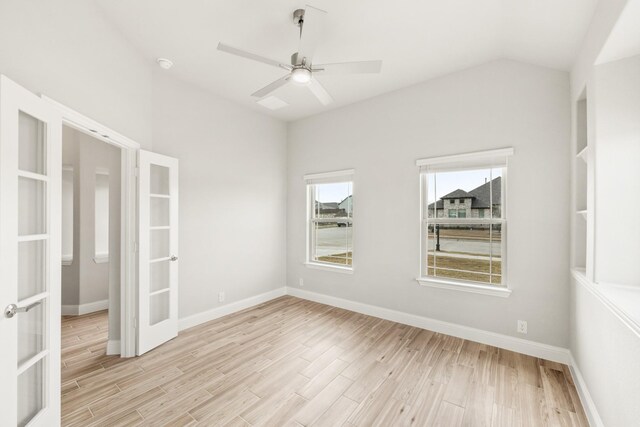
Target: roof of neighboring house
<point x="480" y="195"/>
<point x="345" y="199"/>
<point x="457" y="194"/>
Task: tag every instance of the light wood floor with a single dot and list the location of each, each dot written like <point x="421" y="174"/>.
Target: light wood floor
<point x="294" y="362"/>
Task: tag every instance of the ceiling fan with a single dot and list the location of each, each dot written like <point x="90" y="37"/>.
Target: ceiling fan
<point x="302" y="70"/>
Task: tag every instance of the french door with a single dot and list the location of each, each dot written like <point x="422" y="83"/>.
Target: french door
<point x="158" y="250"/>
<point x="30" y="177"/>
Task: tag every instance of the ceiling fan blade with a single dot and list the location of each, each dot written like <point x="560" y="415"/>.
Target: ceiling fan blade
<point x="271" y="87"/>
<point x="252" y="56"/>
<point x="362" y="67"/>
<point x="320" y="92"/>
<point x="311" y="31"/>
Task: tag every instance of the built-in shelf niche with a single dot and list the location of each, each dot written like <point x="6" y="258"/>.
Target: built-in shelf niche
<point x="582" y="157"/>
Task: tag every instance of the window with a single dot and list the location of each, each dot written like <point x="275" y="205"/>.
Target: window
<point x="461" y="201"/>
<point x="452" y="201"/>
<point x="330" y="219"/>
<point x="458" y="249"/>
<point x="67" y="215"/>
<point x="101" y="214"/>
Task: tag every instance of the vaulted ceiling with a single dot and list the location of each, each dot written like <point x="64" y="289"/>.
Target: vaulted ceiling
<point x="416" y="39"/>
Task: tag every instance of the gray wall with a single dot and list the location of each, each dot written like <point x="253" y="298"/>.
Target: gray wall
<point x="84" y="281"/>
<point x="232" y="194"/>
<point x="73" y="55"/>
<point x="499" y="104"/>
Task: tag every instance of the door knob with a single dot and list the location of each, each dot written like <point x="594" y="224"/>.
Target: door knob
<point x="13" y="309"/>
<point x="174" y="258"/>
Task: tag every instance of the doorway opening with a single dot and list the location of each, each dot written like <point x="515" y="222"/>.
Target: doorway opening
<point x="91" y="246"/>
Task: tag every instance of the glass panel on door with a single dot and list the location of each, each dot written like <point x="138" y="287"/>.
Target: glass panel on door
<point x="159" y="180"/>
<point x="31" y="392"/>
<point x="31" y="271"/>
<point x="32" y="345"/>
<point x="31" y="206"/>
<point x="159" y="275"/>
<point x="159" y="307"/>
<point x="31" y="148"/>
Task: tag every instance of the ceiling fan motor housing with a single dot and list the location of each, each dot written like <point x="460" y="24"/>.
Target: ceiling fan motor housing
<point x="298" y="61"/>
<point x="298" y="17"/>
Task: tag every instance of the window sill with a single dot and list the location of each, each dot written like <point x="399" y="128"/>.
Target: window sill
<point x="495" y="291"/>
<point x="326" y="267"/>
<point x="101" y="259"/>
<point x="67" y="260"/>
<point x="622" y="301"/>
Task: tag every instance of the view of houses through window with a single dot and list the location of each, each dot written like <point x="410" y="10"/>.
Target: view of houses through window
<point x="331" y="223"/>
<point x="463" y="225"/>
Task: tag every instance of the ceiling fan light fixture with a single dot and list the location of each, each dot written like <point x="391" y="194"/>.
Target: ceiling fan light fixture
<point x="301" y="76"/>
<point x="164" y="63"/>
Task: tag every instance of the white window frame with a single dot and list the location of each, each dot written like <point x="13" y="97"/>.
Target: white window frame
<point x="311" y="180"/>
<point x="491" y="159"/>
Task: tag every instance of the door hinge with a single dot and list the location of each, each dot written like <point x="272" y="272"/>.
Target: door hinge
<point x="135" y="323"/>
<point x="135" y="247"/>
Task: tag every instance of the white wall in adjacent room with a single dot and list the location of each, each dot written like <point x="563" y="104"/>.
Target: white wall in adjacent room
<point x="232" y="194"/>
<point x="85" y="281"/>
<point x="499" y="104"/>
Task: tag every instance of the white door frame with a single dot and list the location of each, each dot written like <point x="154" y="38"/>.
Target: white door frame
<point x="129" y="211"/>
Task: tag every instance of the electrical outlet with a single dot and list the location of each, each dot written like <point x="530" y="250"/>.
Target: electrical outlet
<point x="221" y="296"/>
<point x="301" y="282"/>
<point x="522" y="326"/>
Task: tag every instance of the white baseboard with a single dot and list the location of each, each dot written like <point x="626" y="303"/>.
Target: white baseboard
<point x="206" y="316"/>
<point x="585" y="397"/>
<point x="113" y="347"/>
<point x="91" y="307"/>
<point x="532" y="348"/>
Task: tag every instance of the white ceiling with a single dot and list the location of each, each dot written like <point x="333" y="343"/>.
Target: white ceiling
<point x="416" y="39"/>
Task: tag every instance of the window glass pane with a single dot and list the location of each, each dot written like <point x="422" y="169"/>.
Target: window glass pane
<point x="333" y="200"/>
<point x="496" y="254"/>
<point x="464" y="251"/>
<point x="101" y="215"/>
<point x="496" y="193"/>
<point x="464" y="194"/>
<point x="333" y="242"/>
<point x="431" y="196"/>
<point x="67" y="213"/>
<point x="31" y="206"/>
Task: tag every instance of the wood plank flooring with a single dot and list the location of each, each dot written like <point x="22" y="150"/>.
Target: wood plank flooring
<point x="291" y="362"/>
